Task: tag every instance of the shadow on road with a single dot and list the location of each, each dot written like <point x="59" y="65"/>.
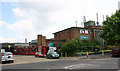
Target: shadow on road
<point x="6" y="62"/>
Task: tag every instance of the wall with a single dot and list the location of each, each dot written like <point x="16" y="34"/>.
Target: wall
<point x="71" y="33"/>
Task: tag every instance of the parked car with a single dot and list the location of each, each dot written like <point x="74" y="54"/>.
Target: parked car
<point x="38" y="54"/>
<point x="52" y="54"/>
<point x="116" y="51"/>
<point x="7" y="56"/>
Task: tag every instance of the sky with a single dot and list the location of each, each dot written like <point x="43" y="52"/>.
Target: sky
<point x="20" y="19"/>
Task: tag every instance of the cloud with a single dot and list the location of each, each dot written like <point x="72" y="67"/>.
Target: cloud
<point x="49" y="16"/>
<point x="2" y="23"/>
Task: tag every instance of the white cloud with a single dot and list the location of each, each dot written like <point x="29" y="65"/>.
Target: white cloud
<point x="2" y="23"/>
<point x="2" y="39"/>
<point x="49" y="16"/>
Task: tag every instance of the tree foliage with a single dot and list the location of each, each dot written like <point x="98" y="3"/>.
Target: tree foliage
<point x="111" y="29"/>
<point x="76" y="45"/>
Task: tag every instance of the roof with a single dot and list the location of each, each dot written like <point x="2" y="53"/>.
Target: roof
<point x="70" y="28"/>
<point x="15" y="43"/>
<point x="53" y="40"/>
<point x="78" y="28"/>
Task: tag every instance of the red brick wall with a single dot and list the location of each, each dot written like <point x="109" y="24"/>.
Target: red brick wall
<point x="70" y="34"/>
<point x="41" y="40"/>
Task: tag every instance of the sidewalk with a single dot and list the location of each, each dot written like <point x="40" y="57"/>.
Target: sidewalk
<point x="98" y="56"/>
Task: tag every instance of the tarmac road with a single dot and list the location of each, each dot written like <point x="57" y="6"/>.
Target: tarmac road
<point x="91" y="62"/>
<point x="110" y="63"/>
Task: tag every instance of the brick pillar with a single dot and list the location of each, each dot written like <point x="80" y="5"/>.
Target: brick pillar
<point x="43" y="40"/>
<point x="39" y="41"/>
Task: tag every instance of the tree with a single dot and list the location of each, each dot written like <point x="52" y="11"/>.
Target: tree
<point x="95" y="42"/>
<point x="75" y="45"/>
<point x="70" y="47"/>
<point x="111" y="29"/>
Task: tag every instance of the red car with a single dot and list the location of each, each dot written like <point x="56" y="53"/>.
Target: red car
<point x="38" y="54"/>
<point x="116" y="51"/>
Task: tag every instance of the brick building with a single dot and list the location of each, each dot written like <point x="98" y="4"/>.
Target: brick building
<point x="90" y="31"/>
<point x="68" y="34"/>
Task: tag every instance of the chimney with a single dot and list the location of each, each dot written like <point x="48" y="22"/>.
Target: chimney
<point x="39" y="40"/>
<point x="25" y="40"/>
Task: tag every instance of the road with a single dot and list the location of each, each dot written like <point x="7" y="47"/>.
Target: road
<point x="69" y="63"/>
<point x="108" y="63"/>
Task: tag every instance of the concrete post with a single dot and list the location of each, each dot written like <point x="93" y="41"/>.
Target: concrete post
<point x="87" y="54"/>
<point x="102" y="52"/>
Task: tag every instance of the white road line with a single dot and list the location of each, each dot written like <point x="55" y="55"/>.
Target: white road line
<point x="97" y="62"/>
<point x="81" y="66"/>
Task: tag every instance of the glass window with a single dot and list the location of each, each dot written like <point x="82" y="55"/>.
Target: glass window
<point x="39" y="52"/>
<point x="82" y="31"/>
<point x="86" y="31"/>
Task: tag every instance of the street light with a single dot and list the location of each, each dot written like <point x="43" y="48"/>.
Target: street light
<point x="9" y="47"/>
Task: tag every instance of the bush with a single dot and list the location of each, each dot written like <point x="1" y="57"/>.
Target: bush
<point x="70" y="48"/>
<point x="75" y="45"/>
<point x="109" y="47"/>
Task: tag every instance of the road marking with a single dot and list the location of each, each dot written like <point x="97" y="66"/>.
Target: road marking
<point x="97" y="62"/>
<point x="81" y="66"/>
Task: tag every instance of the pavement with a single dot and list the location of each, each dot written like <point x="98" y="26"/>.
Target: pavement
<point x="97" y="56"/>
<point x="90" y="57"/>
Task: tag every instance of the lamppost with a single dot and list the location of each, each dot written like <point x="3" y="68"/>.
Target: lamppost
<point x="9" y="47"/>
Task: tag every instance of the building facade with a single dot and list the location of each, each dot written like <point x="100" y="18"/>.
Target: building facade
<point x="9" y="47"/>
<point x="90" y="33"/>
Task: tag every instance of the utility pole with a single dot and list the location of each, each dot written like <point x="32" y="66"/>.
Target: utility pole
<point x="103" y="17"/>
<point x="76" y="23"/>
<point x="84" y="19"/>
<point x="97" y="18"/>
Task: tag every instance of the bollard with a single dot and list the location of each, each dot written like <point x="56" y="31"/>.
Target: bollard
<point x="102" y="52"/>
<point x="87" y="54"/>
<point x="65" y="54"/>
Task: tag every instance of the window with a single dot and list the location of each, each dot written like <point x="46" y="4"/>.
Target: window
<point x="82" y="31"/>
<point x="86" y="31"/>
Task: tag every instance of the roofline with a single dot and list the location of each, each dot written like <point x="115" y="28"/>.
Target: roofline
<point x="14" y="43"/>
<point x="70" y="28"/>
<point x="77" y="28"/>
